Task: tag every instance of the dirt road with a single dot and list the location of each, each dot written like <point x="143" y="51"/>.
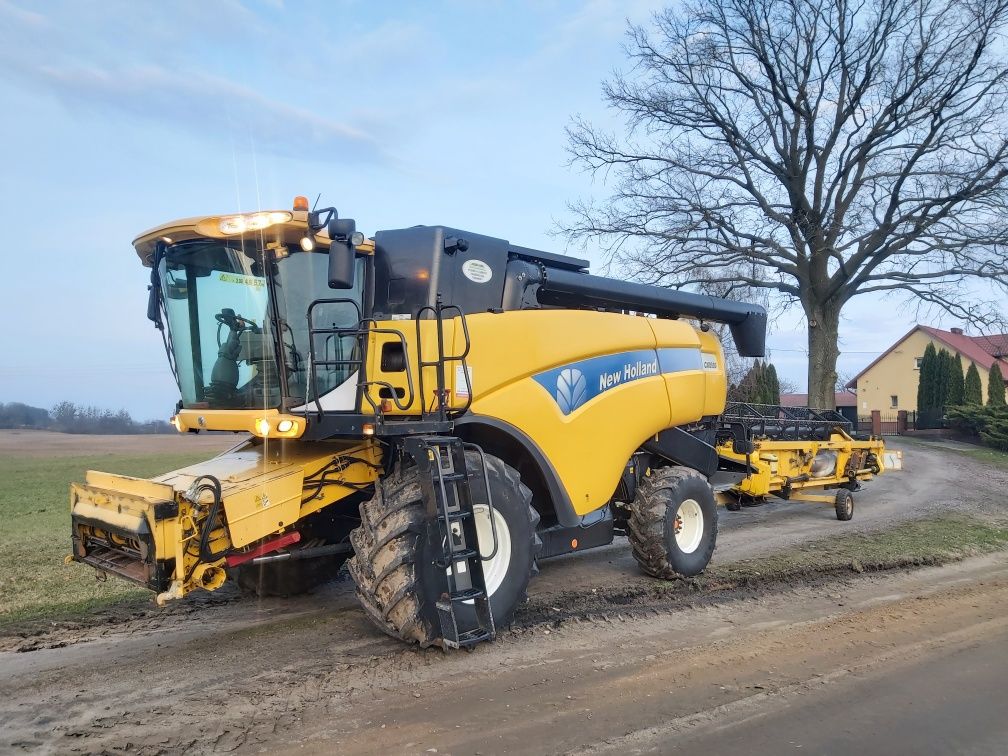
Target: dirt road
<point x="225" y="673"/>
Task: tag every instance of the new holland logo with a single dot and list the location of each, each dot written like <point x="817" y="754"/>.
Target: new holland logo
<point x="576" y="384"/>
<point x="571" y="390"/>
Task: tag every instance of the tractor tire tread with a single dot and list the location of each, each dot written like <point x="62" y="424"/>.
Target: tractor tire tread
<point x="385" y="546"/>
<point x="646" y="524"/>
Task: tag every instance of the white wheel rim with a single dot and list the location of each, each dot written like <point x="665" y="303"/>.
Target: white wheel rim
<point x="494" y="570"/>
<point x="689" y="526"/>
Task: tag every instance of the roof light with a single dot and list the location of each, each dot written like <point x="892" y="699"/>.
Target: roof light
<point x="300" y="203"/>
<point x="239" y="224"/>
<point x="307" y="243"/>
<point x="356" y="238"/>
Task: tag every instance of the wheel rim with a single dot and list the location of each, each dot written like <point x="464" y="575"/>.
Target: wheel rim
<point x="494" y="570"/>
<point x="689" y="524"/>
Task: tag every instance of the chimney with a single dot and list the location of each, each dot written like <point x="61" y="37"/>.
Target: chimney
<point x="957" y="331"/>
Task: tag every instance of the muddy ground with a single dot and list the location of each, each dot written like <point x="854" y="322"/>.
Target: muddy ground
<point x="594" y="661"/>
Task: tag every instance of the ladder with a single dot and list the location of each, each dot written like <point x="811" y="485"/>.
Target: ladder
<point x="445" y="479"/>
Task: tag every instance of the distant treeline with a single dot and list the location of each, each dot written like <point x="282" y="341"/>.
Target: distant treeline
<point x="68" y="417"/>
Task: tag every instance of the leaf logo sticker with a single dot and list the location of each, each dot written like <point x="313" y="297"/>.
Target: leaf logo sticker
<point x="572" y="390"/>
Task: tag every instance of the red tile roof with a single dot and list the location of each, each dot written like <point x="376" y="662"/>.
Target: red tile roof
<point x="996" y="344"/>
<point x="983" y="350"/>
<point x="980" y="349"/>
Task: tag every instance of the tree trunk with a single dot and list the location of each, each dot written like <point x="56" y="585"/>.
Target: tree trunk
<point x="823" y="329"/>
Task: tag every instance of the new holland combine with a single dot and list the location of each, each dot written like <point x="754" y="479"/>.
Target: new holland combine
<point x="438" y="410"/>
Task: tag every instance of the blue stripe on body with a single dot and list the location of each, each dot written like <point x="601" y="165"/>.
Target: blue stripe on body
<point x="577" y="383"/>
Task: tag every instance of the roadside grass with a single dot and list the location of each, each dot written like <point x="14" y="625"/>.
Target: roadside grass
<point x="982" y="454"/>
<point x="911" y="544"/>
<point x="35" y="583"/>
<point x="986" y="455"/>
<point x="838" y="557"/>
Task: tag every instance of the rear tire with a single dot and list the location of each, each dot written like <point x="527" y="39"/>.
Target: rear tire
<point x="844" y="505"/>
<point x="673" y="523"/>
<point x="397" y="580"/>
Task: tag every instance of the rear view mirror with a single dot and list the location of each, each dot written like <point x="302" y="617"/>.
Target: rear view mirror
<point x="341" y="266"/>
<point x="341" y="253"/>
<point x="176" y="291"/>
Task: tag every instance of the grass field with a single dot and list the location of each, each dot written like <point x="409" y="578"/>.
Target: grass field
<point x="917" y="543"/>
<point x="983" y="454"/>
<point x="35" y="532"/>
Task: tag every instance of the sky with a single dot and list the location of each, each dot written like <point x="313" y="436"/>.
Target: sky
<point x="122" y="115"/>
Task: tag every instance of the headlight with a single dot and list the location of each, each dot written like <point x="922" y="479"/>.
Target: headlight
<point x="239" y="224"/>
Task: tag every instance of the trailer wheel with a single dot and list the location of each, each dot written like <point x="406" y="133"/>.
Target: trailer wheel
<point x="673" y="523"/>
<point x="397" y="580"/>
<point x="844" y="505"/>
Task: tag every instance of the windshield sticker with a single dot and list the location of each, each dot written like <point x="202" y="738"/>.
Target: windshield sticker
<point x="241" y="279"/>
<point x="477" y="271"/>
<point x="576" y="384"/>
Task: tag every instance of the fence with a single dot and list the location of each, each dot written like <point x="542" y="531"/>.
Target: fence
<point x="899" y="421"/>
<point x="889" y="423"/>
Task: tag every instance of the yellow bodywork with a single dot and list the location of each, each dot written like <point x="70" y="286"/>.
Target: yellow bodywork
<point x="789" y="468"/>
<point x="137" y="527"/>
<point x="663" y="373"/>
<point x="590" y="446"/>
<point x="263" y="481"/>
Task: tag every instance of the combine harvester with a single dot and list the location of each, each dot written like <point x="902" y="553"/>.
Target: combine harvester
<point x="437" y="409"/>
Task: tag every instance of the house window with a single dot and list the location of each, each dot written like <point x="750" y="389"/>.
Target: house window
<point x="894" y="401"/>
<point x="917" y="362"/>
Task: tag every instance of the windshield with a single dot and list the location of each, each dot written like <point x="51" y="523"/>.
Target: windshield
<point x="217" y="301"/>
<point x="215" y="297"/>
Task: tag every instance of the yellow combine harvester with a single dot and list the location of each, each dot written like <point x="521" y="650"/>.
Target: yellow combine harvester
<point x="438" y="409"/>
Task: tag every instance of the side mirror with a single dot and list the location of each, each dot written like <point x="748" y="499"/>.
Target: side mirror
<point x="153" y="306"/>
<point x="341" y="254"/>
<point x="341" y="266"/>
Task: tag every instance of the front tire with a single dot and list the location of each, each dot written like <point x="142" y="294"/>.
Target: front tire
<point x="397" y="580"/>
<point x="673" y="523"/>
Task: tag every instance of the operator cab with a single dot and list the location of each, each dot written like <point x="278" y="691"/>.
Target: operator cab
<point x="232" y="295"/>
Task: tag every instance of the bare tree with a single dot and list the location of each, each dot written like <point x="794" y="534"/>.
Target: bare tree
<point x="818" y="149"/>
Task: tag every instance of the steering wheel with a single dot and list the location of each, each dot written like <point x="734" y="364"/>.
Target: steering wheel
<point x="237" y="324"/>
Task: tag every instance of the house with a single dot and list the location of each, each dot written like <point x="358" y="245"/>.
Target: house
<point x="845" y="402"/>
<point x="890" y="382"/>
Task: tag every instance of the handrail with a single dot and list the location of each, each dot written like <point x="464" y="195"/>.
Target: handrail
<point x="444" y="410"/>
<point x="364" y="328"/>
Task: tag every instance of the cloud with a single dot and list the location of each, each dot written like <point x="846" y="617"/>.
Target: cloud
<point x="42" y="57"/>
<point x="206" y="105"/>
